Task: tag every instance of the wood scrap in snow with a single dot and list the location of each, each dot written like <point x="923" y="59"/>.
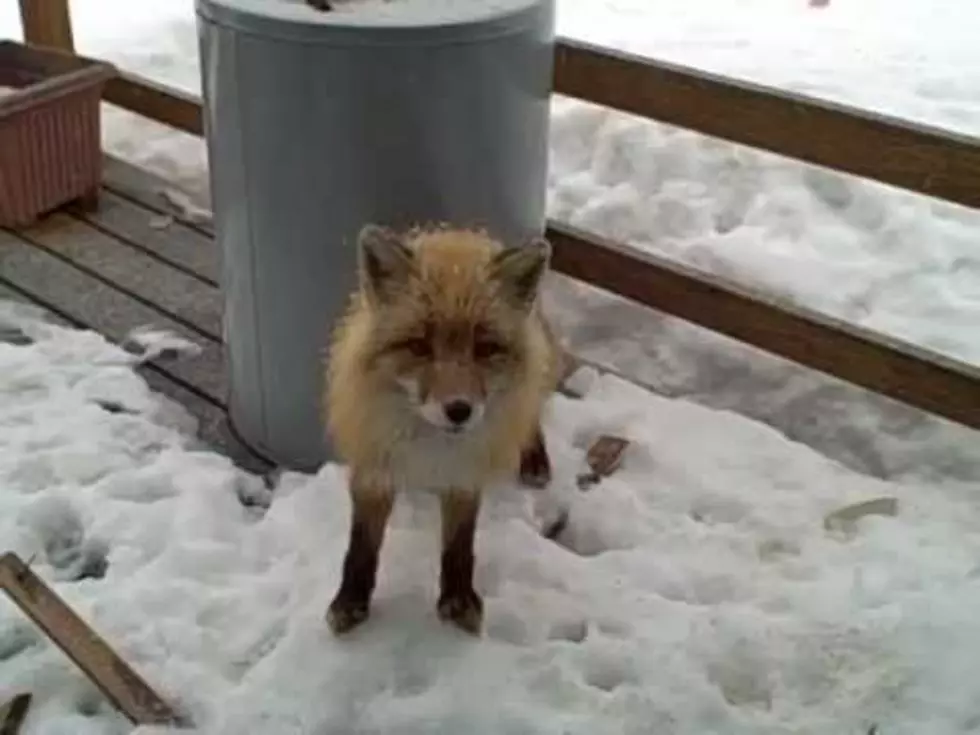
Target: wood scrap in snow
<point x="152" y="344"/>
<point x="161" y="221"/>
<point x="848" y="515"/>
<point x="186" y="208"/>
<point x="102" y="665"/>
<point x="579" y="380"/>
<point x="554" y="528"/>
<point x="604" y="457"/>
<point x="13" y="714"/>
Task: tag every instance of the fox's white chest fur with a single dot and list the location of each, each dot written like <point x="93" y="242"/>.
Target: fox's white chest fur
<point x="424" y="458"/>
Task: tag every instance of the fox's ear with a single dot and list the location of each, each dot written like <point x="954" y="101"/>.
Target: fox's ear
<point x="385" y="261"/>
<point x="519" y="270"/>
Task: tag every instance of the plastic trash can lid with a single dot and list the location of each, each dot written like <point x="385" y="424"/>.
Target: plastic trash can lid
<point x="379" y="21"/>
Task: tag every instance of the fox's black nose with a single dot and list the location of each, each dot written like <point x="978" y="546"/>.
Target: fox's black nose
<point x="458" y="412"/>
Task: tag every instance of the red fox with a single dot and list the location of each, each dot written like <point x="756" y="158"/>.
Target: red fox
<point x="436" y="380"/>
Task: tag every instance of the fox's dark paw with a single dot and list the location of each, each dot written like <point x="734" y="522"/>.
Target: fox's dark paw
<point x="345" y="614"/>
<point x="463" y="609"/>
<point x="535" y="465"/>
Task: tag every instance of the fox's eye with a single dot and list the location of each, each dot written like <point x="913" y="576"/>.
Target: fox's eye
<point x="484" y="349"/>
<point x="416" y="346"/>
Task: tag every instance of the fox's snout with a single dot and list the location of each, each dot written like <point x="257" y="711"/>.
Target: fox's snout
<point x="450" y="396"/>
<point x="456" y="414"/>
<point x="458" y="411"/>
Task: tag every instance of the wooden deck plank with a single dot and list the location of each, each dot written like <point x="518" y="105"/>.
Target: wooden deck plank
<point x="212" y="424"/>
<point x="146" y="188"/>
<point x="186" y="299"/>
<point x="112" y="270"/>
<point x="96" y="305"/>
<point x="172" y="242"/>
<point x="9" y="294"/>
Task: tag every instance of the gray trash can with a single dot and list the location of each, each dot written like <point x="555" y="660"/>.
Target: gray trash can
<point x="319" y="122"/>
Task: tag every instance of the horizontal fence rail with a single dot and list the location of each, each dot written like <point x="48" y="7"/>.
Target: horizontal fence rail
<point x="917" y="158"/>
<point x="156" y="101"/>
<point x="902" y="371"/>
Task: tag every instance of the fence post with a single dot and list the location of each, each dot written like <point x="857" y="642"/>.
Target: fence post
<point x="47" y="23"/>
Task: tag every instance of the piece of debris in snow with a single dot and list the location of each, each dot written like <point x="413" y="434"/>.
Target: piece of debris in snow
<point x="579" y="381"/>
<point x="149" y="344"/>
<point x="554" y="528"/>
<point x="13" y="336"/>
<point x="161" y="221"/>
<point x="115" y="407"/>
<point x="604" y="457"/>
<point x="850" y="514"/>
<point x="13" y="714"/>
<point x="186" y="207"/>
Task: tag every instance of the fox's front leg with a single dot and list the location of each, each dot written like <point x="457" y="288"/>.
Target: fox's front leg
<point x="535" y="464"/>
<point x="371" y="503"/>
<point x="458" y="601"/>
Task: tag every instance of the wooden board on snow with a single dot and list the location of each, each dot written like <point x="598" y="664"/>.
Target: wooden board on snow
<point x="604" y="457"/>
<point x="13" y="714"/>
<point x="103" y="666"/>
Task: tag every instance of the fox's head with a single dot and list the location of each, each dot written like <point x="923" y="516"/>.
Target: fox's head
<point x="449" y="319"/>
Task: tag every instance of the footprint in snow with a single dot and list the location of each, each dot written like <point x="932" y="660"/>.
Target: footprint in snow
<point x="59" y="535"/>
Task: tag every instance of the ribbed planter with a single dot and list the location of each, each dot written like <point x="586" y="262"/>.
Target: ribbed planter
<point x="397" y="113"/>
<point x="50" y="131"/>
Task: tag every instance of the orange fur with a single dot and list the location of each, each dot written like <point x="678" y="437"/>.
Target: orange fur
<point x="442" y="317"/>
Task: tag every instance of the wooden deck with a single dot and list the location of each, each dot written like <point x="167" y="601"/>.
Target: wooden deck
<point x="136" y="262"/>
<point x="140" y="261"/>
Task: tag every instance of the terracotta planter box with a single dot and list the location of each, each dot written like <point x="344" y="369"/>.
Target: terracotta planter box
<point x="50" y="131"/>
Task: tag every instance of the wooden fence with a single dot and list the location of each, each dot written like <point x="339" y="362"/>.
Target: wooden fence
<point x="918" y="158"/>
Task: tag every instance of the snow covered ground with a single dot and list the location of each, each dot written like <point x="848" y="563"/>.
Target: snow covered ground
<point x="699" y="592"/>
<point x="695" y="591"/>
